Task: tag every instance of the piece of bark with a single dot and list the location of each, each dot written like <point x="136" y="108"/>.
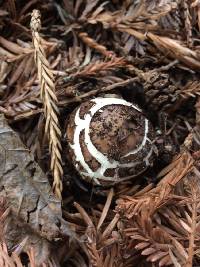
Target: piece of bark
<point x="26" y="188"/>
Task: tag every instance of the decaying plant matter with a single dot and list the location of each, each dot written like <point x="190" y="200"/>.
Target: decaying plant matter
<point x="34" y="216"/>
<point x="49" y="100"/>
<point x="146" y="52"/>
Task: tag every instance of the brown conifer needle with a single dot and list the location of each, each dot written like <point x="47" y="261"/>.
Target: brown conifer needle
<point x="49" y="100"/>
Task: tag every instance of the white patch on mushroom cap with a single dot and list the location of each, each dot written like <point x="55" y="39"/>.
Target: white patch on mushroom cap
<point x="105" y="163"/>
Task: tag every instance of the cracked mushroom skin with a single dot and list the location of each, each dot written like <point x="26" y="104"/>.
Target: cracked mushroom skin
<point x="109" y="139"/>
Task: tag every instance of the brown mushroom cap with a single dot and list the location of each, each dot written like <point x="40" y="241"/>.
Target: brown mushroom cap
<point x="118" y="143"/>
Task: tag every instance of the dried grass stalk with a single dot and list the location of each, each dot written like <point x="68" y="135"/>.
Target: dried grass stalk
<point x="49" y="99"/>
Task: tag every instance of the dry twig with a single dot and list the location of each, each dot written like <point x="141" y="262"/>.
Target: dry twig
<point x="93" y="44"/>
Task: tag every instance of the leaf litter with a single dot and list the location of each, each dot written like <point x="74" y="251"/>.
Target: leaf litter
<point x="148" y="51"/>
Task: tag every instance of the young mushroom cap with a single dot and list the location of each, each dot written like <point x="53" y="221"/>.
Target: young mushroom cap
<point x="109" y="139"/>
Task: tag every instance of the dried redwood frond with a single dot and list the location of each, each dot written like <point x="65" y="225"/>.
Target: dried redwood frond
<point x="49" y="100"/>
<point x="102" y="239"/>
<point x="162" y="222"/>
<point x="17" y="67"/>
<point x="159" y="195"/>
<point x="13" y="259"/>
<point x="97" y="67"/>
<point x="191" y="89"/>
<point x="176" y="50"/>
<point x="93" y="44"/>
<point x="12" y="51"/>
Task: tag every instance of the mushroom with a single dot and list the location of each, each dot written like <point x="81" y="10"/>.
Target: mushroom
<point x="109" y="139"/>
